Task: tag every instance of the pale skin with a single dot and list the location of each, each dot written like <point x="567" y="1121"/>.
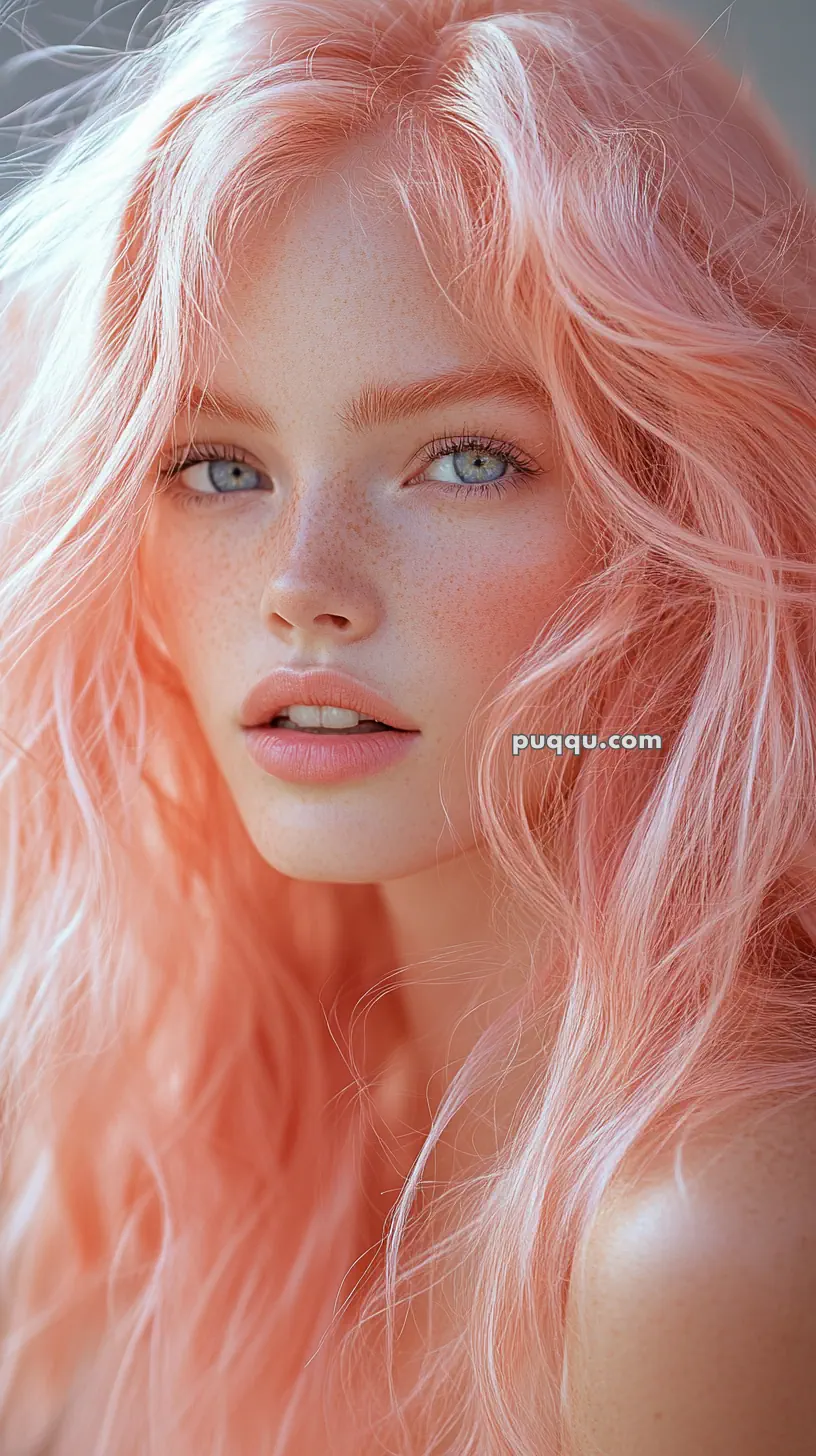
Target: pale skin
<point x="349" y="549"/>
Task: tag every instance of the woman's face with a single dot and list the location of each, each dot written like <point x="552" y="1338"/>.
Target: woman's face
<point x="324" y="536"/>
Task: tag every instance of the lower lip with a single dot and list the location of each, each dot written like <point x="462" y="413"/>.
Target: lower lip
<point x="315" y="758"/>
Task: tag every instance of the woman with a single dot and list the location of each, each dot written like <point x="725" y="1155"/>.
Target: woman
<point x="409" y="1013"/>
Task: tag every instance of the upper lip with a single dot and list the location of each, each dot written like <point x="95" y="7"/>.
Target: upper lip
<point x="286" y="686"/>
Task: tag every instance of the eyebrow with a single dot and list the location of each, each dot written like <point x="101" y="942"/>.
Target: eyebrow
<point x="382" y="404"/>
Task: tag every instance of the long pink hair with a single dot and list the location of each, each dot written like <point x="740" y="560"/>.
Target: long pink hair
<point x="194" y="1148"/>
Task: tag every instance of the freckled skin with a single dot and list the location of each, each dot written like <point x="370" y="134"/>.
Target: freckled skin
<point x="425" y="596"/>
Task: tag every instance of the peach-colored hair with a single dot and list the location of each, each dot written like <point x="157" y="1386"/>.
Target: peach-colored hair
<point x="189" y="1175"/>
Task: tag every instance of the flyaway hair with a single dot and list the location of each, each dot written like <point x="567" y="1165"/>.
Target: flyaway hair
<point x="191" y="1148"/>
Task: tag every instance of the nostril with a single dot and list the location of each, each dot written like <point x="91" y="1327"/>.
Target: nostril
<point x="333" y="618"/>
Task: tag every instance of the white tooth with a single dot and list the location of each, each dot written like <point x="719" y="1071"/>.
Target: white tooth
<point x="306" y="716"/>
<point x="338" y="718"/>
<point x="312" y="715"/>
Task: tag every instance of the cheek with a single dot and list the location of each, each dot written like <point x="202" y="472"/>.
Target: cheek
<point x="193" y="593"/>
<point x="486" y="601"/>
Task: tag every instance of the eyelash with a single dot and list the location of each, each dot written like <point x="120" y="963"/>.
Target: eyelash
<point x="437" y="449"/>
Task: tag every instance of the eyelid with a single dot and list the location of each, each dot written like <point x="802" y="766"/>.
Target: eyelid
<point x="196" y="452"/>
<point x="466" y="440"/>
<point x="172" y="458"/>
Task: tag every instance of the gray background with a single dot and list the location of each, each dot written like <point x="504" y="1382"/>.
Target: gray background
<point x="773" y="41"/>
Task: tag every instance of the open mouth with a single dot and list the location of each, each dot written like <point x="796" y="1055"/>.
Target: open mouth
<point x="286" y="745"/>
<point x="333" y="721"/>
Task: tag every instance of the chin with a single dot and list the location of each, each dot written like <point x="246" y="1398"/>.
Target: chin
<point x="339" y="856"/>
<point x="358" y="834"/>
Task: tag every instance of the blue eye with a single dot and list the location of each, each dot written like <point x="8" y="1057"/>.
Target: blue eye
<point x="492" y="465"/>
<point x="228" y="473"/>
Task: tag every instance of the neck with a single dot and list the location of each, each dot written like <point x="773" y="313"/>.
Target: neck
<point x="458" y="964"/>
<point x="461" y="967"/>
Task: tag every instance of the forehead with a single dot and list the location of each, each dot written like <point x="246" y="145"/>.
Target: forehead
<point x="340" y="277"/>
<point x="337" y="317"/>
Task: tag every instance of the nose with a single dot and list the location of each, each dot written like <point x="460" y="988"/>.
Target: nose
<point x="320" y="588"/>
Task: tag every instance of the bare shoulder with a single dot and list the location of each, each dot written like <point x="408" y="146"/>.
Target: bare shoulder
<point x="692" y="1312"/>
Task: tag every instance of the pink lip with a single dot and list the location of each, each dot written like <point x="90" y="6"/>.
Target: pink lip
<point x="299" y="757"/>
<point x="317" y="685"/>
<point x="308" y="758"/>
